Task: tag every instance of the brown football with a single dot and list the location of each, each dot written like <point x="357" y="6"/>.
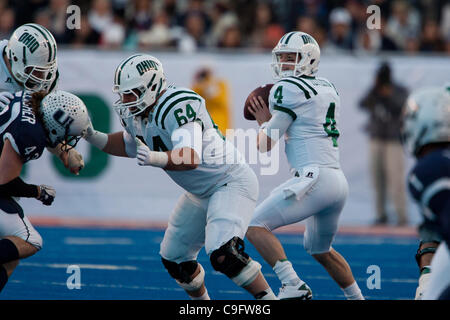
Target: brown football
<point x="263" y="92"/>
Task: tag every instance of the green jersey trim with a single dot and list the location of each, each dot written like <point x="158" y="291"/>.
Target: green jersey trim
<point x="286" y="110"/>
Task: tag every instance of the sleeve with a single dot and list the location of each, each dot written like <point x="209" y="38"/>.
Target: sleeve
<point x="288" y="95"/>
<point x="277" y="125"/>
<point x="181" y="113"/>
<point x="29" y="146"/>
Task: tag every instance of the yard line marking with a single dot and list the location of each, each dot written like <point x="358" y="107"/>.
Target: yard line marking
<point x="82" y="266"/>
<point x="97" y="241"/>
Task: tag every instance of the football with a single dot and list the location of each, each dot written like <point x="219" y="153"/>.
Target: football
<point x="263" y="92"/>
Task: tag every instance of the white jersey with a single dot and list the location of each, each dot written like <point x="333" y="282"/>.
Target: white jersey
<point x="176" y="107"/>
<point x="7" y="82"/>
<point x="313" y="104"/>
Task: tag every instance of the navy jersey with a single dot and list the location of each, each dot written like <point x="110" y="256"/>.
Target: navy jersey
<point x="429" y="185"/>
<point x="22" y="128"/>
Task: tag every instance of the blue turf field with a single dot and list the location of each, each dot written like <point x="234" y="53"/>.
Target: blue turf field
<point x="125" y="264"/>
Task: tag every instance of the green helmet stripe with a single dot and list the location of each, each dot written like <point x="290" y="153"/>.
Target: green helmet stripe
<point x="50" y="54"/>
<point x="289" y="37"/>
<point x="50" y="36"/>
<point x="24" y="56"/>
<point x="119" y="69"/>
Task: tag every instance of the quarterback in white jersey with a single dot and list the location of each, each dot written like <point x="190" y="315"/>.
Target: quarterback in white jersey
<point x="305" y="109"/>
<point x="181" y="138"/>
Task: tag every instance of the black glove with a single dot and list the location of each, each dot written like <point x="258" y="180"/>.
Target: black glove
<point x="47" y="194"/>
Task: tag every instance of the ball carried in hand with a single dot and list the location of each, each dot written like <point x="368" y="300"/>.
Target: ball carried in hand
<point x="263" y="92"/>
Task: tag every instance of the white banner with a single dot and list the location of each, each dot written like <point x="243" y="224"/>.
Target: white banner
<point x="117" y="188"/>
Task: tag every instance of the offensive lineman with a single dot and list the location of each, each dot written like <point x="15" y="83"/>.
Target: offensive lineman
<point x="306" y="110"/>
<point x="183" y="140"/>
<point x="426" y="136"/>
<point x="27" y="125"/>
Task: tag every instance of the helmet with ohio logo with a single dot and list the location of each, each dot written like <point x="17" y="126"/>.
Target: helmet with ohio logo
<point x="307" y="55"/>
<point x="65" y="118"/>
<point x="141" y="76"/>
<point x="31" y="52"/>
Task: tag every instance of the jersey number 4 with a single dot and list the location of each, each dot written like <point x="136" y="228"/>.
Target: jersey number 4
<point x="330" y="124"/>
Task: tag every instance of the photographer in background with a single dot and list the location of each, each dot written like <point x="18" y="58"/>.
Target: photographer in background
<point x="384" y="103"/>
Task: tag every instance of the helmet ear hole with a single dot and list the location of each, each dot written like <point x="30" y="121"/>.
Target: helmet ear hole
<point x="154" y="87"/>
<point x="312" y="61"/>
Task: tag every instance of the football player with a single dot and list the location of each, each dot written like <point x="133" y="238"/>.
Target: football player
<point x="305" y="109"/>
<point x="28" y="124"/>
<point x="28" y="62"/>
<point x="426" y="136"/>
<point x="221" y="190"/>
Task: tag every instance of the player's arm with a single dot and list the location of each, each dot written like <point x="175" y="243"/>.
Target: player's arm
<point x="270" y="132"/>
<point x="12" y="185"/>
<point x="119" y="144"/>
<point x="186" y="154"/>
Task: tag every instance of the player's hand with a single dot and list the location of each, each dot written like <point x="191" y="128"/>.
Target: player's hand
<point x="46" y="194"/>
<point x="143" y="154"/>
<point x="259" y="110"/>
<point x="72" y="160"/>
<point x="5" y="98"/>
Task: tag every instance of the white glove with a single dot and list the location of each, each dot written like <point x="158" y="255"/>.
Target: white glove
<point x="146" y="157"/>
<point x="5" y="99"/>
<point x="143" y="154"/>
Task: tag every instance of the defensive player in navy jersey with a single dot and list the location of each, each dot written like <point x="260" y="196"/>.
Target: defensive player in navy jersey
<point x="28" y="124"/>
<point x="426" y="135"/>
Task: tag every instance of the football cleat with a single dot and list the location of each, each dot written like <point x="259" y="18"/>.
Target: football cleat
<point x="297" y="292"/>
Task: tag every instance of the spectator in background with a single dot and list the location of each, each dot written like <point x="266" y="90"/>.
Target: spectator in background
<point x="375" y="40"/>
<point x="57" y="24"/>
<point x="222" y="18"/>
<point x="340" y="29"/>
<point x="310" y="26"/>
<point x="215" y="91"/>
<point x="431" y="40"/>
<point x="384" y="103"/>
<point x="159" y="35"/>
<point x="403" y="24"/>
<point x="195" y="26"/>
<point x="232" y="38"/>
<point x="101" y="16"/>
<point x="85" y="35"/>
<point x="140" y="15"/>
<point x="7" y="20"/>
<point x="266" y="31"/>
<point x="114" y="36"/>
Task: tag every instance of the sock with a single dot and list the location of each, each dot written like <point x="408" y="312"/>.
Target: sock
<point x="3" y="277"/>
<point x="204" y="296"/>
<point x="353" y="292"/>
<point x="8" y="251"/>
<point x="286" y="273"/>
<point x="266" y="295"/>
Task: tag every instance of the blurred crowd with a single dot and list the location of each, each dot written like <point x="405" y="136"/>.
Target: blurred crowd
<point x="414" y="26"/>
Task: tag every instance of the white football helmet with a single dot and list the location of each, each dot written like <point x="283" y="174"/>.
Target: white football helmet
<point x="426" y="118"/>
<point x="307" y="55"/>
<point x="141" y="75"/>
<point x="65" y="118"/>
<point x="31" y="52"/>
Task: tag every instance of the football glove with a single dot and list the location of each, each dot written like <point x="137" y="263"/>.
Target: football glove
<point x="46" y="195"/>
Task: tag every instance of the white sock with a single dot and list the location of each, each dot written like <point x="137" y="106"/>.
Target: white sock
<point x="204" y="296"/>
<point x="269" y="296"/>
<point x="353" y="292"/>
<point x="286" y="273"/>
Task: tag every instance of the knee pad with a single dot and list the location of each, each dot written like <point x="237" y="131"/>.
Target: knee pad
<point x="182" y="273"/>
<point x="235" y="263"/>
<point x="421" y="252"/>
